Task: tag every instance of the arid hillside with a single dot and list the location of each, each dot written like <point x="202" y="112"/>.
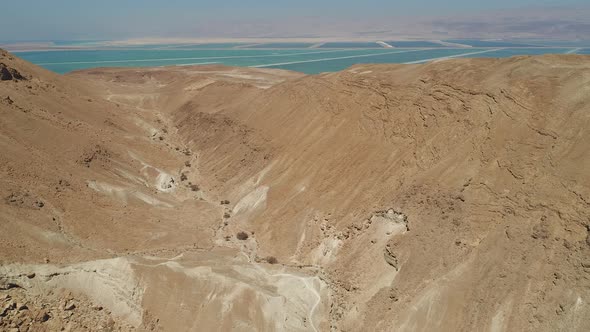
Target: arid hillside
<point x="450" y="196"/>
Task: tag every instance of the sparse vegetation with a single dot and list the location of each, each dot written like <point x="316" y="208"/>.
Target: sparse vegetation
<point x="242" y="236"/>
<point x="272" y="260"/>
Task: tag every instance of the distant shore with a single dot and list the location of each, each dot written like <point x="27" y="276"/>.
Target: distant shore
<point x="240" y="43"/>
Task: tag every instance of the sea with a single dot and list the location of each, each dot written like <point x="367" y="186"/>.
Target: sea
<point x="308" y="58"/>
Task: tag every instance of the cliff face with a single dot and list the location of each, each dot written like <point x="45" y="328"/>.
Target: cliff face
<point x="448" y="196"/>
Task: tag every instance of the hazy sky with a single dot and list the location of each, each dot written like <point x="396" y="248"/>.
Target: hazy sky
<point x="120" y="19"/>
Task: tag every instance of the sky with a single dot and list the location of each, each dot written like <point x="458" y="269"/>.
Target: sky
<point x="38" y="20"/>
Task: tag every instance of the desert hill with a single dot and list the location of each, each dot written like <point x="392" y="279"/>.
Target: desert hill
<point x="447" y="196"/>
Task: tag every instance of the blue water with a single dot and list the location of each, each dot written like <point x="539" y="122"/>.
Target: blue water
<point x="350" y="45"/>
<point x="305" y="60"/>
<point x="384" y="56"/>
<point x="282" y="45"/>
<point x="194" y="46"/>
<point x="76" y="42"/>
<point x="559" y="43"/>
<point x="484" y="43"/>
<point x="413" y="44"/>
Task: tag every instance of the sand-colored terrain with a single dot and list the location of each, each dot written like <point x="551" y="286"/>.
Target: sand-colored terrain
<point x="450" y="196"/>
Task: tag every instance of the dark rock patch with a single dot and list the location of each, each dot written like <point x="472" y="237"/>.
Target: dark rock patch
<point x="10" y="74"/>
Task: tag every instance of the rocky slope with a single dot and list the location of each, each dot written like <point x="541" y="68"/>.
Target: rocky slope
<point x="448" y="196"/>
